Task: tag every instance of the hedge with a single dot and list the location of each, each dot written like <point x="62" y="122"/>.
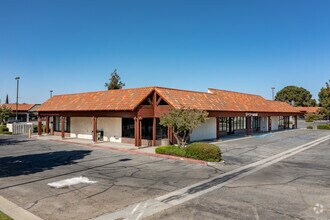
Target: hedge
<point x="309" y="127"/>
<point x="198" y="151"/>
<point x="324" y="127"/>
<point x="3" y="129"/>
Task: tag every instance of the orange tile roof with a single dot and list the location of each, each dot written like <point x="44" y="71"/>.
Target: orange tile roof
<point x="129" y="99"/>
<point x="307" y="109"/>
<point x="21" y="107"/>
<point x="119" y="99"/>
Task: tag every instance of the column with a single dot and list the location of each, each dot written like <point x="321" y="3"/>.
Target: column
<point x="47" y="124"/>
<point x="217" y="128"/>
<point x="94" y="129"/>
<point x="296" y="122"/>
<point x="52" y="127"/>
<point x="140" y="131"/>
<point x="39" y="126"/>
<point x="269" y="124"/>
<point x="154" y="132"/>
<point x="62" y="127"/>
<point x="248" y="125"/>
<point x="27" y="117"/>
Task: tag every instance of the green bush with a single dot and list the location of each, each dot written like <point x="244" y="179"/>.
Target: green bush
<point x="171" y="150"/>
<point x="309" y="120"/>
<point x="204" y="151"/>
<point x="3" y="129"/>
<point x="198" y="151"/>
<point x="324" y="127"/>
<point x="309" y="127"/>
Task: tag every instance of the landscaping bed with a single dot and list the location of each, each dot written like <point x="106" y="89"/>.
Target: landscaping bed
<point x="3" y="216"/>
<point x="4" y="130"/>
<point x="198" y="151"/>
<point x="324" y="127"/>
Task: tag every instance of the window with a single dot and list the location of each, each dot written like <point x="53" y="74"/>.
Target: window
<point x="58" y="124"/>
<point x="127" y="127"/>
<point x="161" y="131"/>
<point x="147" y="128"/>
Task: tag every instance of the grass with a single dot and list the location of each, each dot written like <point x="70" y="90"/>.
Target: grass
<point x="3" y="216"/>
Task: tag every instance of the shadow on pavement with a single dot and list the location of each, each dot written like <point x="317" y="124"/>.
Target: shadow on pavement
<point x="34" y="163"/>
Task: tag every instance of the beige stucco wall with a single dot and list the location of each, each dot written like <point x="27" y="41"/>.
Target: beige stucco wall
<point x="264" y="124"/>
<point x="206" y="131"/>
<point x="274" y="120"/>
<point x="82" y="127"/>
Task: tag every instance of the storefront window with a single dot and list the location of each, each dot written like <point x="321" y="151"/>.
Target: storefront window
<point x="128" y="127"/>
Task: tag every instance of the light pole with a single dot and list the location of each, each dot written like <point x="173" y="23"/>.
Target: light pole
<point x="17" y="80"/>
<point x="51" y="93"/>
<point x="273" y="89"/>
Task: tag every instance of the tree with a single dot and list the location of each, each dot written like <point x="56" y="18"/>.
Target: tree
<point x="7" y="99"/>
<point x="297" y="96"/>
<point x="115" y="82"/>
<point x="324" y="98"/>
<point x="183" y="121"/>
<point x="4" y="114"/>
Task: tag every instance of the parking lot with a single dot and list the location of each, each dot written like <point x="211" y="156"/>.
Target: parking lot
<point x="123" y="179"/>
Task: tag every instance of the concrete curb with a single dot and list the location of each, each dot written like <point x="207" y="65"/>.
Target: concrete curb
<point x="16" y="212"/>
<point x="136" y="152"/>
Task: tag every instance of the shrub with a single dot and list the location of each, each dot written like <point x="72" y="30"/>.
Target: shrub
<point x="3" y="129"/>
<point x="324" y="127"/>
<point x="204" y="151"/>
<point x="309" y="127"/>
<point x="35" y="128"/>
<point x="171" y="150"/>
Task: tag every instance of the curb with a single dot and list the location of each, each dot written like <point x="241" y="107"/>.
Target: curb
<point x="135" y="152"/>
<point x="16" y="212"/>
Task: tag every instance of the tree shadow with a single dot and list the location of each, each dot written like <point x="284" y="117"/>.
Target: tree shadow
<point x="34" y="163"/>
<point x="12" y="141"/>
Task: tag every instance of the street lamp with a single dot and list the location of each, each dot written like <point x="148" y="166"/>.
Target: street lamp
<point x="273" y="89"/>
<point x="17" y="80"/>
<point x="51" y="93"/>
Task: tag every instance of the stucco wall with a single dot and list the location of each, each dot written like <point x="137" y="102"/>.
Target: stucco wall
<point x="264" y="124"/>
<point x="82" y="127"/>
<point x="206" y="131"/>
<point x="274" y="120"/>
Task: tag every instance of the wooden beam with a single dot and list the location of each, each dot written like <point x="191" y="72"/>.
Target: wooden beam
<point x="159" y="100"/>
<point x="269" y="124"/>
<point x="248" y="125"/>
<point x="140" y="131"/>
<point x="149" y="101"/>
<point x="47" y="124"/>
<point x="39" y="126"/>
<point x="154" y="132"/>
<point x="62" y="127"/>
<point x="94" y="129"/>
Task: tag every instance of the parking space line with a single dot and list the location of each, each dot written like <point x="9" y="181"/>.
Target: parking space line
<point x="152" y="206"/>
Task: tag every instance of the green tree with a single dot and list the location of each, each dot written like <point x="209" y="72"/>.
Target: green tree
<point x="115" y="82"/>
<point x="324" y="99"/>
<point x="5" y="113"/>
<point x="7" y="99"/>
<point x="297" y="96"/>
<point x="183" y="121"/>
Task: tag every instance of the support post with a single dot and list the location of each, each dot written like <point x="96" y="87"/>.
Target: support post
<point x="62" y="127"/>
<point x="140" y="131"/>
<point x="52" y="126"/>
<point x="27" y="117"/>
<point x="47" y="124"/>
<point x="136" y="131"/>
<point x="269" y="124"/>
<point x="39" y="126"/>
<point x="248" y="125"/>
<point x="296" y="122"/>
<point x="154" y="132"/>
<point x="94" y="129"/>
<point x="217" y="128"/>
<point x="230" y="125"/>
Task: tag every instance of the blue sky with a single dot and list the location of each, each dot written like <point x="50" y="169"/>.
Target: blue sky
<point x="248" y="46"/>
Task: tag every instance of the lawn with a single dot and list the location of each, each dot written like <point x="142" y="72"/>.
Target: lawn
<point x="3" y="216"/>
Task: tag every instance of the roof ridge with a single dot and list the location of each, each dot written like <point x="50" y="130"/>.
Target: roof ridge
<point x="183" y="90"/>
<point x="79" y="93"/>
<point x="244" y="93"/>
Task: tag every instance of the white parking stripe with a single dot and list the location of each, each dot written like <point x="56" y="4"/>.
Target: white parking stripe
<point x="180" y="196"/>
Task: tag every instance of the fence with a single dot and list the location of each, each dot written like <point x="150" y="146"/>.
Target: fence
<point x="21" y="128"/>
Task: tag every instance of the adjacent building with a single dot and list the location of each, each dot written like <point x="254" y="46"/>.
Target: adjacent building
<point x="132" y="115"/>
<point x="25" y="112"/>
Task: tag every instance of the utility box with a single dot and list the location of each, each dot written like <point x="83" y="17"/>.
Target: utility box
<point x="99" y="135"/>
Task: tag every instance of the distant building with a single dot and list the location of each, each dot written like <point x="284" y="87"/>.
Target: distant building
<point x="25" y="112"/>
<point x="308" y="110"/>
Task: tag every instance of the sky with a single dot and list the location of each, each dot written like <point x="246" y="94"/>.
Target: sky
<point x="72" y="46"/>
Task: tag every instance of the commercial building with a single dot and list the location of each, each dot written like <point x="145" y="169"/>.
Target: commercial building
<point x="132" y="115"/>
<point x="25" y="112"/>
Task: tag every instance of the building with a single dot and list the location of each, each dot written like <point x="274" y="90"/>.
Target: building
<point x="25" y="112"/>
<point x="132" y="115"/>
<point x="308" y="110"/>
